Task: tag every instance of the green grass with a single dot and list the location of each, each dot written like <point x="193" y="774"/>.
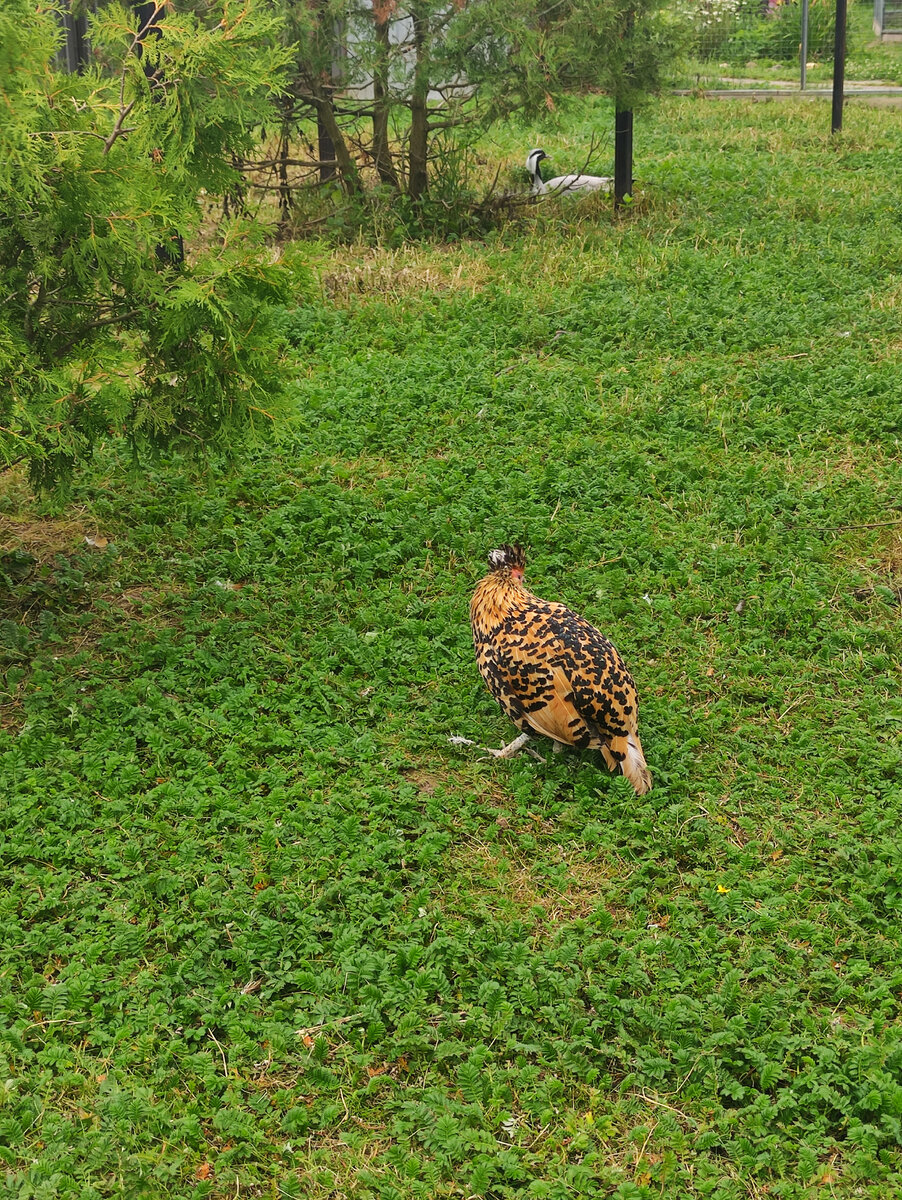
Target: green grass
<point x="266" y="934"/>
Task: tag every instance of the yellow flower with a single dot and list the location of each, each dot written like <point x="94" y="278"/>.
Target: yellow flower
<point x="721" y="890"/>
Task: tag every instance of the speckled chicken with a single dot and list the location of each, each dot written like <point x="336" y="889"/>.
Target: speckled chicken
<point x="552" y="672"/>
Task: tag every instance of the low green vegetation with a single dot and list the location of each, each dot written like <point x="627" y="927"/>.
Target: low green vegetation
<point x="265" y="933"/>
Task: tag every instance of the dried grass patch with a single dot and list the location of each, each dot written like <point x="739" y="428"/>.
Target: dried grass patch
<point x="12" y="713"/>
<point x="144" y="599"/>
<point x="885" y="571"/>
<point x="843" y="459"/>
<point x="24" y="530"/>
<point x="426" y="781"/>
<point x="21" y="529"/>
<point x="43" y="538"/>
<point x="403" y="273"/>
<point x="891" y="557"/>
<point x="890" y="297"/>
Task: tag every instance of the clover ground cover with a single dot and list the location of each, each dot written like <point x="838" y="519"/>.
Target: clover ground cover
<point x="266" y="933"/>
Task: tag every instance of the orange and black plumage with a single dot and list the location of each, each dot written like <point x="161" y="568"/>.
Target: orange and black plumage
<point x="553" y="672"/>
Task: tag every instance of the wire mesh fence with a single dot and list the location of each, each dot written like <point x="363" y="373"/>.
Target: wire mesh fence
<point x="730" y="35"/>
<point x="888" y="19"/>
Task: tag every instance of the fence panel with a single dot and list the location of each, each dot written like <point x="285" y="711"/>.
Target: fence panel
<point x="729" y="36"/>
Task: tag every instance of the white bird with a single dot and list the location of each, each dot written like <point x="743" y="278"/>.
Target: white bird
<point x="564" y="184"/>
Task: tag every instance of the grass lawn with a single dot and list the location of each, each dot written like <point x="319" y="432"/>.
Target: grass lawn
<point x="265" y="933"/>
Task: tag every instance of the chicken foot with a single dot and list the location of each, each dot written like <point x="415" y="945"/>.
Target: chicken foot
<point x="507" y="751"/>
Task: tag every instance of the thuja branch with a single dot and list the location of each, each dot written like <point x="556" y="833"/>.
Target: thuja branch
<point x="119" y="129"/>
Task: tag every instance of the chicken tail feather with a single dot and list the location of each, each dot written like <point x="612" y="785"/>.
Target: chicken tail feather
<point x="627" y="751"/>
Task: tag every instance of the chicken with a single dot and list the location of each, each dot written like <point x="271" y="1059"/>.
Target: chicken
<point x="552" y="672"/>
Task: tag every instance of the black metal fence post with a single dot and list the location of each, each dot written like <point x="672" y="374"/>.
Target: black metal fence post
<point x="804" y="49"/>
<point x="149" y="13"/>
<point x="839" y="65"/>
<point x="623" y="154"/>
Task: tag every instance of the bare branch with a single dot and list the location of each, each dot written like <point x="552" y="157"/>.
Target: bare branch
<point x="119" y="129"/>
<point x="111" y="320"/>
<point x="450" y="123"/>
<point x="251" y="165"/>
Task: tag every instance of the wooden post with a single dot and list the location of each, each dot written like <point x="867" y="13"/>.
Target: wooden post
<point x="623" y="154"/>
<point x="839" y="65"/>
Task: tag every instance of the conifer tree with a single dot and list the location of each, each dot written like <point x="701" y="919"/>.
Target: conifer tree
<point x="101" y="334"/>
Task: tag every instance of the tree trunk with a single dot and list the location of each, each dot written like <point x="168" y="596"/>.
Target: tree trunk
<point x="284" y="151"/>
<point x="332" y="78"/>
<point x="284" y="186"/>
<point x="419" y="119"/>
<point x="325" y="145"/>
<point x="233" y="199"/>
<point x="381" y="98"/>
<point x="325" y="115"/>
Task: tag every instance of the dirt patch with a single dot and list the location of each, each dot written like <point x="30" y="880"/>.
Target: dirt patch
<point x="587" y="882"/>
<point x="425" y="781"/>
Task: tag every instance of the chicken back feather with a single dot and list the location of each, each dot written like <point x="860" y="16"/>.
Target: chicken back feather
<point x="552" y="671"/>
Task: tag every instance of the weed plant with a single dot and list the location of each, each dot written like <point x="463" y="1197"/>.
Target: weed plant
<point x="265" y="933"/>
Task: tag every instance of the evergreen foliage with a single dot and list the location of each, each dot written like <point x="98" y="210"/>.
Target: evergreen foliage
<point x="102" y="330"/>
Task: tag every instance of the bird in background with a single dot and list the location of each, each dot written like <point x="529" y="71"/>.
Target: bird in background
<point x="553" y="672"/>
<point x="564" y="184"/>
